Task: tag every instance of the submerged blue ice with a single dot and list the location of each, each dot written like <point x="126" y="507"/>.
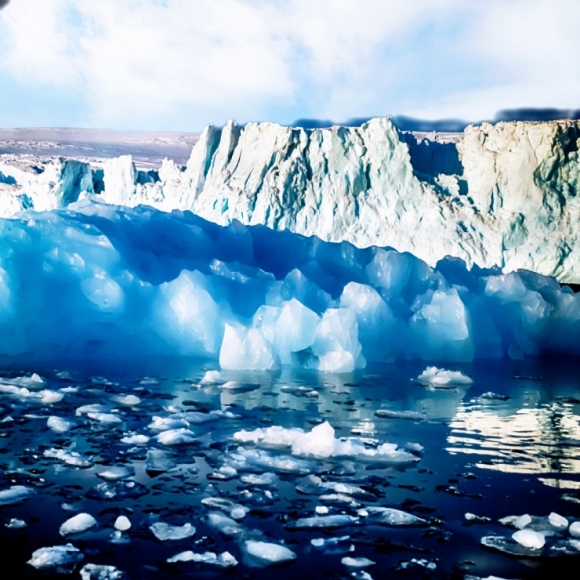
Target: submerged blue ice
<point x="97" y="280"/>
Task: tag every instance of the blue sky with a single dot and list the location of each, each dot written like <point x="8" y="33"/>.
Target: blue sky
<point x="180" y="64"/>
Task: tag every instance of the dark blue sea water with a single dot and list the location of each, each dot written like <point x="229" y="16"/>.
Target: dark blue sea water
<point x="511" y="453"/>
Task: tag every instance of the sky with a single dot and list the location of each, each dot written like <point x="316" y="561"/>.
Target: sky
<point x="176" y="65"/>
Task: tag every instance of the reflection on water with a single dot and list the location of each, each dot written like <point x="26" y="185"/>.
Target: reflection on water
<point x="525" y="434"/>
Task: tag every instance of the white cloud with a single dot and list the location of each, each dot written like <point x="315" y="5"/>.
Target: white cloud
<point x="146" y="63"/>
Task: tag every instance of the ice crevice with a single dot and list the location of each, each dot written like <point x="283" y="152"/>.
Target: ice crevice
<point x="98" y="280"/>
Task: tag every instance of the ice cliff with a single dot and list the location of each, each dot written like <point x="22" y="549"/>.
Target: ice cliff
<point x="503" y="194"/>
<point x="105" y="281"/>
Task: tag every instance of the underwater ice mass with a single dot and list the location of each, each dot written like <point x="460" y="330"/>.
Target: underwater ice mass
<point x="98" y="280"/>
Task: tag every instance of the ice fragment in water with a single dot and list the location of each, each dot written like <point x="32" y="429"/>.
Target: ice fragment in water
<point x="440" y="377"/>
<point x="100" y="572"/>
<point x="77" y="524"/>
<point x="135" y="439"/>
<point x="321" y="510"/>
<point x="128" y="400"/>
<point x="393" y="517"/>
<point x="211" y="378"/>
<point x="266" y="479"/>
<point x="59" y="425"/>
<point x="415" y="566"/>
<point x="15" y="494"/>
<point x="116" y="473"/>
<point x="105" y="418"/>
<point x="509" y="546"/>
<point x="268" y="554"/>
<point x="236" y="511"/>
<point x="159" y="461"/>
<point x="122" y="523"/>
<point x="529" y="539"/>
<point x="62" y="559"/>
<point x="558" y="521"/>
<point x="223" y="560"/>
<point x="176" y="437"/>
<point x="339" y="545"/>
<point x="357" y="562"/>
<point x="226" y="526"/>
<point x="322" y="522"/>
<point x="476" y="519"/>
<point x="71" y="458"/>
<point x="117" y="490"/>
<point x="15" y="524"/>
<point x="575" y="529"/>
<point x="163" y="531"/>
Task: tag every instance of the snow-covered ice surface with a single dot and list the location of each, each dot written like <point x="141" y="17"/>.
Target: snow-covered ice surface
<point x="100" y="281"/>
<point x="262" y="489"/>
<point x="498" y="195"/>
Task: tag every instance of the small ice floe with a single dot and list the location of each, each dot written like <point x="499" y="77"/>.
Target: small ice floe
<point x="59" y="425"/>
<point x="235" y="510"/>
<point x="557" y="521"/>
<point x="100" y="572"/>
<point x="159" y="461"/>
<point x="267" y="553"/>
<point x="92" y="408"/>
<point x="71" y="458"/>
<point x="135" y="439"/>
<point x="530" y="539"/>
<point x="127" y="400"/>
<point x="357" y="563"/>
<point x="211" y="378"/>
<point x="15" y="494"/>
<point x="167" y="423"/>
<point x="62" y="559"/>
<point x="223" y="560"/>
<point x="117" y="490"/>
<point x="45" y="396"/>
<point x="339" y="500"/>
<point x="475" y="519"/>
<point x="122" y="524"/>
<point x="574" y="529"/>
<point x="265" y="479"/>
<point x="105" y="418"/>
<point x="77" y="524"/>
<point x="494" y="397"/>
<point x="321" y="443"/>
<point x="436" y="377"/>
<point x="237" y="387"/>
<point x="386" y="516"/>
<point x="509" y="546"/>
<point x="299" y="391"/>
<point x="164" y="532"/>
<point x="416" y="566"/>
<point x="226" y="526"/>
<point x="322" y="522"/>
<point x="223" y="473"/>
<point x="410" y="415"/>
<point x="116" y="473"/>
<point x="339" y="545"/>
<point x="15" y="524"/>
<point x="314" y="485"/>
<point x="247" y="459"/>
<point x="321" y="510"/>
<point x="176" y="437"/>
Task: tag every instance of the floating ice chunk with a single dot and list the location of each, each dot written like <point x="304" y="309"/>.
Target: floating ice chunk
<point x="574" y="529"/>
<point x="159" y="461"/>
<point x="357" y="562"/>
<point x="340" y="500"/>
<point x="237" y="387"/>
<point x="224" y="473"/>
<point x="59" y="425"/>
<point x="268" y="554"/>
<point x="236" y="511"/>
<point x="417" y="566"/>
<point x="558" y="521"/>
<point x="223" y="560"/>
<point x="265" y="479"/>
<point x="246" y="459"/>
<point x="224" y="525"/>
<point x="15" y="524"/>
<point x="393" y="517"/>
<point x="117" y="490"/>
<point x="164" y="532"/>
<point x="441" y="377"/>
<point x="509" y="546"/>
<point x="77" y="524"/>
<point x="128" y="400"/>
<point x="410" y="415"/>
<point x="105" y="418"/>
<point x="100" y="572"/>
<point x="62" y="559"/>
<point x="122" y="523"/>
<point x="339" y="545"/>
<point x="321" y="510"/>
<point x="322" y="522"/>
<point x="476" y="519"/>
<point x="167" y="423"/>
<point x="315" y="485"/>
<point x="92" y="408"/>
<point x="116" y="473"/>
<point x="176" y="437"/>
<point x="135" y="439"/>
<point x="71" y="458"/>
<point x="522" y="521"/>
<point x="529" y="539"/>
<point x="211" y="378"/>
<point x="15" y="494"/>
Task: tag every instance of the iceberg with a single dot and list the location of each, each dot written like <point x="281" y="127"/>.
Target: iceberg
<point x="107" y="282"/>
<point x="495" y="195"/>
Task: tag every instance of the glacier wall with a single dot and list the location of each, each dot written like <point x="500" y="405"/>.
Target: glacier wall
<point x="498" y="195"/>
<point x="106" y="281"/>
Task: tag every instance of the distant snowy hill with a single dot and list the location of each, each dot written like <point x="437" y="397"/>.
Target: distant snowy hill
<point x="503" y="194"/>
